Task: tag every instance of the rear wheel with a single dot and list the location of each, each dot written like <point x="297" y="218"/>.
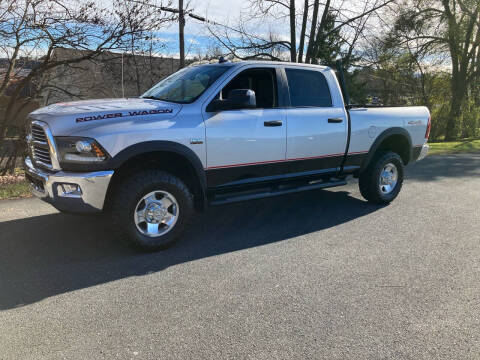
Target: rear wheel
<point x="382" y="181"/>
<point x="152" y="209"/>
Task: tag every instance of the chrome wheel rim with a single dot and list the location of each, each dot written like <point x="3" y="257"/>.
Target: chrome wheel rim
<point x="388" y="178"/>
<point x="156" y="213"/>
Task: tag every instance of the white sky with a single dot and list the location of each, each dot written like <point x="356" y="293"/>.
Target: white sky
<point x="217" y="9"/>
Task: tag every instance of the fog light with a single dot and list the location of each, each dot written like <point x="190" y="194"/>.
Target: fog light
<point x="69" y="190"/>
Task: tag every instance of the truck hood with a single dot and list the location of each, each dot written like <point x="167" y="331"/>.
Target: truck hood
<point x="70" y="117"/>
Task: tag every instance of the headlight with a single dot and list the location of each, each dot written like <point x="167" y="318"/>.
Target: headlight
<point x="80" y="150"/>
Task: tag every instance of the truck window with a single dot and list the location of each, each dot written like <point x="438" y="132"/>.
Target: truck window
<point x="262" y="81"/>
<point x="308" y="88"/>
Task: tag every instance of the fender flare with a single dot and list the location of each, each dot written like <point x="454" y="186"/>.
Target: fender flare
<point x="380" y="138"/>
<point x="167" y="146"/>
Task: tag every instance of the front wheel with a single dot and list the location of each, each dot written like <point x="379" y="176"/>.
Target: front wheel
<point x="152" y="209"/>
<point x="382" y="181"/>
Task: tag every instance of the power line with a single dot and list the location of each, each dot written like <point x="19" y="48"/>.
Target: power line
<point x="203" y="19"/>
<point x="181" y="12"/>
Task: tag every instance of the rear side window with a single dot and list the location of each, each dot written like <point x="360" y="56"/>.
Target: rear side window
<point x="308" y="88"/>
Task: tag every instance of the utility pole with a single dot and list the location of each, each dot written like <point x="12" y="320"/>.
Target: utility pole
<point x="181" y="24"/>
<point x="181" y="34"/>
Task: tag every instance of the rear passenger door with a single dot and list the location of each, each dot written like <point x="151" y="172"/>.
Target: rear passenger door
<point x="316" y="121"/>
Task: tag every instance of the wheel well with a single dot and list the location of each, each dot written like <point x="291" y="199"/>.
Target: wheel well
<point x="168" y="161"/>
<point x="398" y="144"/>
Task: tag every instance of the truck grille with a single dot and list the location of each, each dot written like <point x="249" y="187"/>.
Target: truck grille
<point x="42" y="155"/>
<point x="39" y="146"/>
<point x="38" y="134"/>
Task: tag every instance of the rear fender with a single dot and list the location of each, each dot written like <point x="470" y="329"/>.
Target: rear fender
<point x="395" y="131"/>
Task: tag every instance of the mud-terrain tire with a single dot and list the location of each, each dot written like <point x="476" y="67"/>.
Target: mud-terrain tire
<point x="159" y="198"/>
<point x="382" y="180"/>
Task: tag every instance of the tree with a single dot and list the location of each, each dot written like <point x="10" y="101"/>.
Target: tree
<point x="451" y="27"/>
<point x="302" y="32"/>
<point x="330" y="41"/>
<point x="245" y="44"/>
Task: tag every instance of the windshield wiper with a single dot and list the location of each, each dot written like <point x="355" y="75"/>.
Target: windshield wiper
<point x="149" y="97"/>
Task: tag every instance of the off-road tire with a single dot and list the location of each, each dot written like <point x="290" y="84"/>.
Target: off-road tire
<point x="129" y="192"/>
<point x="369" y="180"/>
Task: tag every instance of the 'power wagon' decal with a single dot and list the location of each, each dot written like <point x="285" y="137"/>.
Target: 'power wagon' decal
<point x="119" y="114"/>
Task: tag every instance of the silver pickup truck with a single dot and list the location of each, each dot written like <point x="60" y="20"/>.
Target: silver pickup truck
<point x="213" y="134"/>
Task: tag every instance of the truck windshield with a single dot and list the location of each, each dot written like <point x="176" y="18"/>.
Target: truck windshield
<point x="186" y="85"/>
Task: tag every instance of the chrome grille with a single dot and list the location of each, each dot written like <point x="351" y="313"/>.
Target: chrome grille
<point x="42" y="155"/>
<point x="39" y="146"/>
<point x="38" y="134"/>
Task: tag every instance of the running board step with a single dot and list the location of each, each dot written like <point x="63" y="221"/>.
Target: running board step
<point x="232" y="198"/>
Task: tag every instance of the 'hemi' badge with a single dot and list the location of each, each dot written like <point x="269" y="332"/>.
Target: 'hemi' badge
<point x="196" y="141"/>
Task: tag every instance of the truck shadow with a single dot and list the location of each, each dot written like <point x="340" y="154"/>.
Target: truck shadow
<point x="53" y="254"/>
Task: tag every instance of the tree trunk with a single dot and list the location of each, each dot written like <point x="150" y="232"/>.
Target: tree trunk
<point x="293" y="45"/>
<point x="319" y="37"/>
<point x="313" y="26"/>
<point x="458" y="96"/>
<point x="302" y="33"/>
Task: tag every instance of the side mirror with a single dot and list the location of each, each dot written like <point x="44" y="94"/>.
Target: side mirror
<point x="237" y="99"/>
<point x="243" y="98"/>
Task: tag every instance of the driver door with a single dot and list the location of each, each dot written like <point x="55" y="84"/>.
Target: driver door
<point x="244" y="145"/>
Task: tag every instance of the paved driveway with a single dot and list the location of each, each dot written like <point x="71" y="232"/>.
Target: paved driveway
<point x="318" y="275"/>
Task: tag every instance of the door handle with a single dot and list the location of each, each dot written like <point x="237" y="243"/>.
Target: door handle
<point x="335" y="120"/>
<point x="273" y="123"/>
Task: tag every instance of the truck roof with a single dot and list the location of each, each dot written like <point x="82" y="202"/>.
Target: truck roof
<point x="258" y="62"/>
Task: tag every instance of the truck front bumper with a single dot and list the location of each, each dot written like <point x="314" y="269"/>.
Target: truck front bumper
<point x="69" y="192"/>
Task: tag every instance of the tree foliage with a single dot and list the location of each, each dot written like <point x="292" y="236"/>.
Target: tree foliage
<point x="450" y="28"/>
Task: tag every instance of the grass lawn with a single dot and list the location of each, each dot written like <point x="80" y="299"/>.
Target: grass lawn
<point x="14" y="186"/>
<point x="452" y="147"/>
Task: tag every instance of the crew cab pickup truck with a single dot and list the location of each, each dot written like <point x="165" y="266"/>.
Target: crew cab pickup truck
<point x="213" y="134"/>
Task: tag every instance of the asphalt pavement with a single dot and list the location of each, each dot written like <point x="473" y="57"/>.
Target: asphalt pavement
<point x="315" y="275"/>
